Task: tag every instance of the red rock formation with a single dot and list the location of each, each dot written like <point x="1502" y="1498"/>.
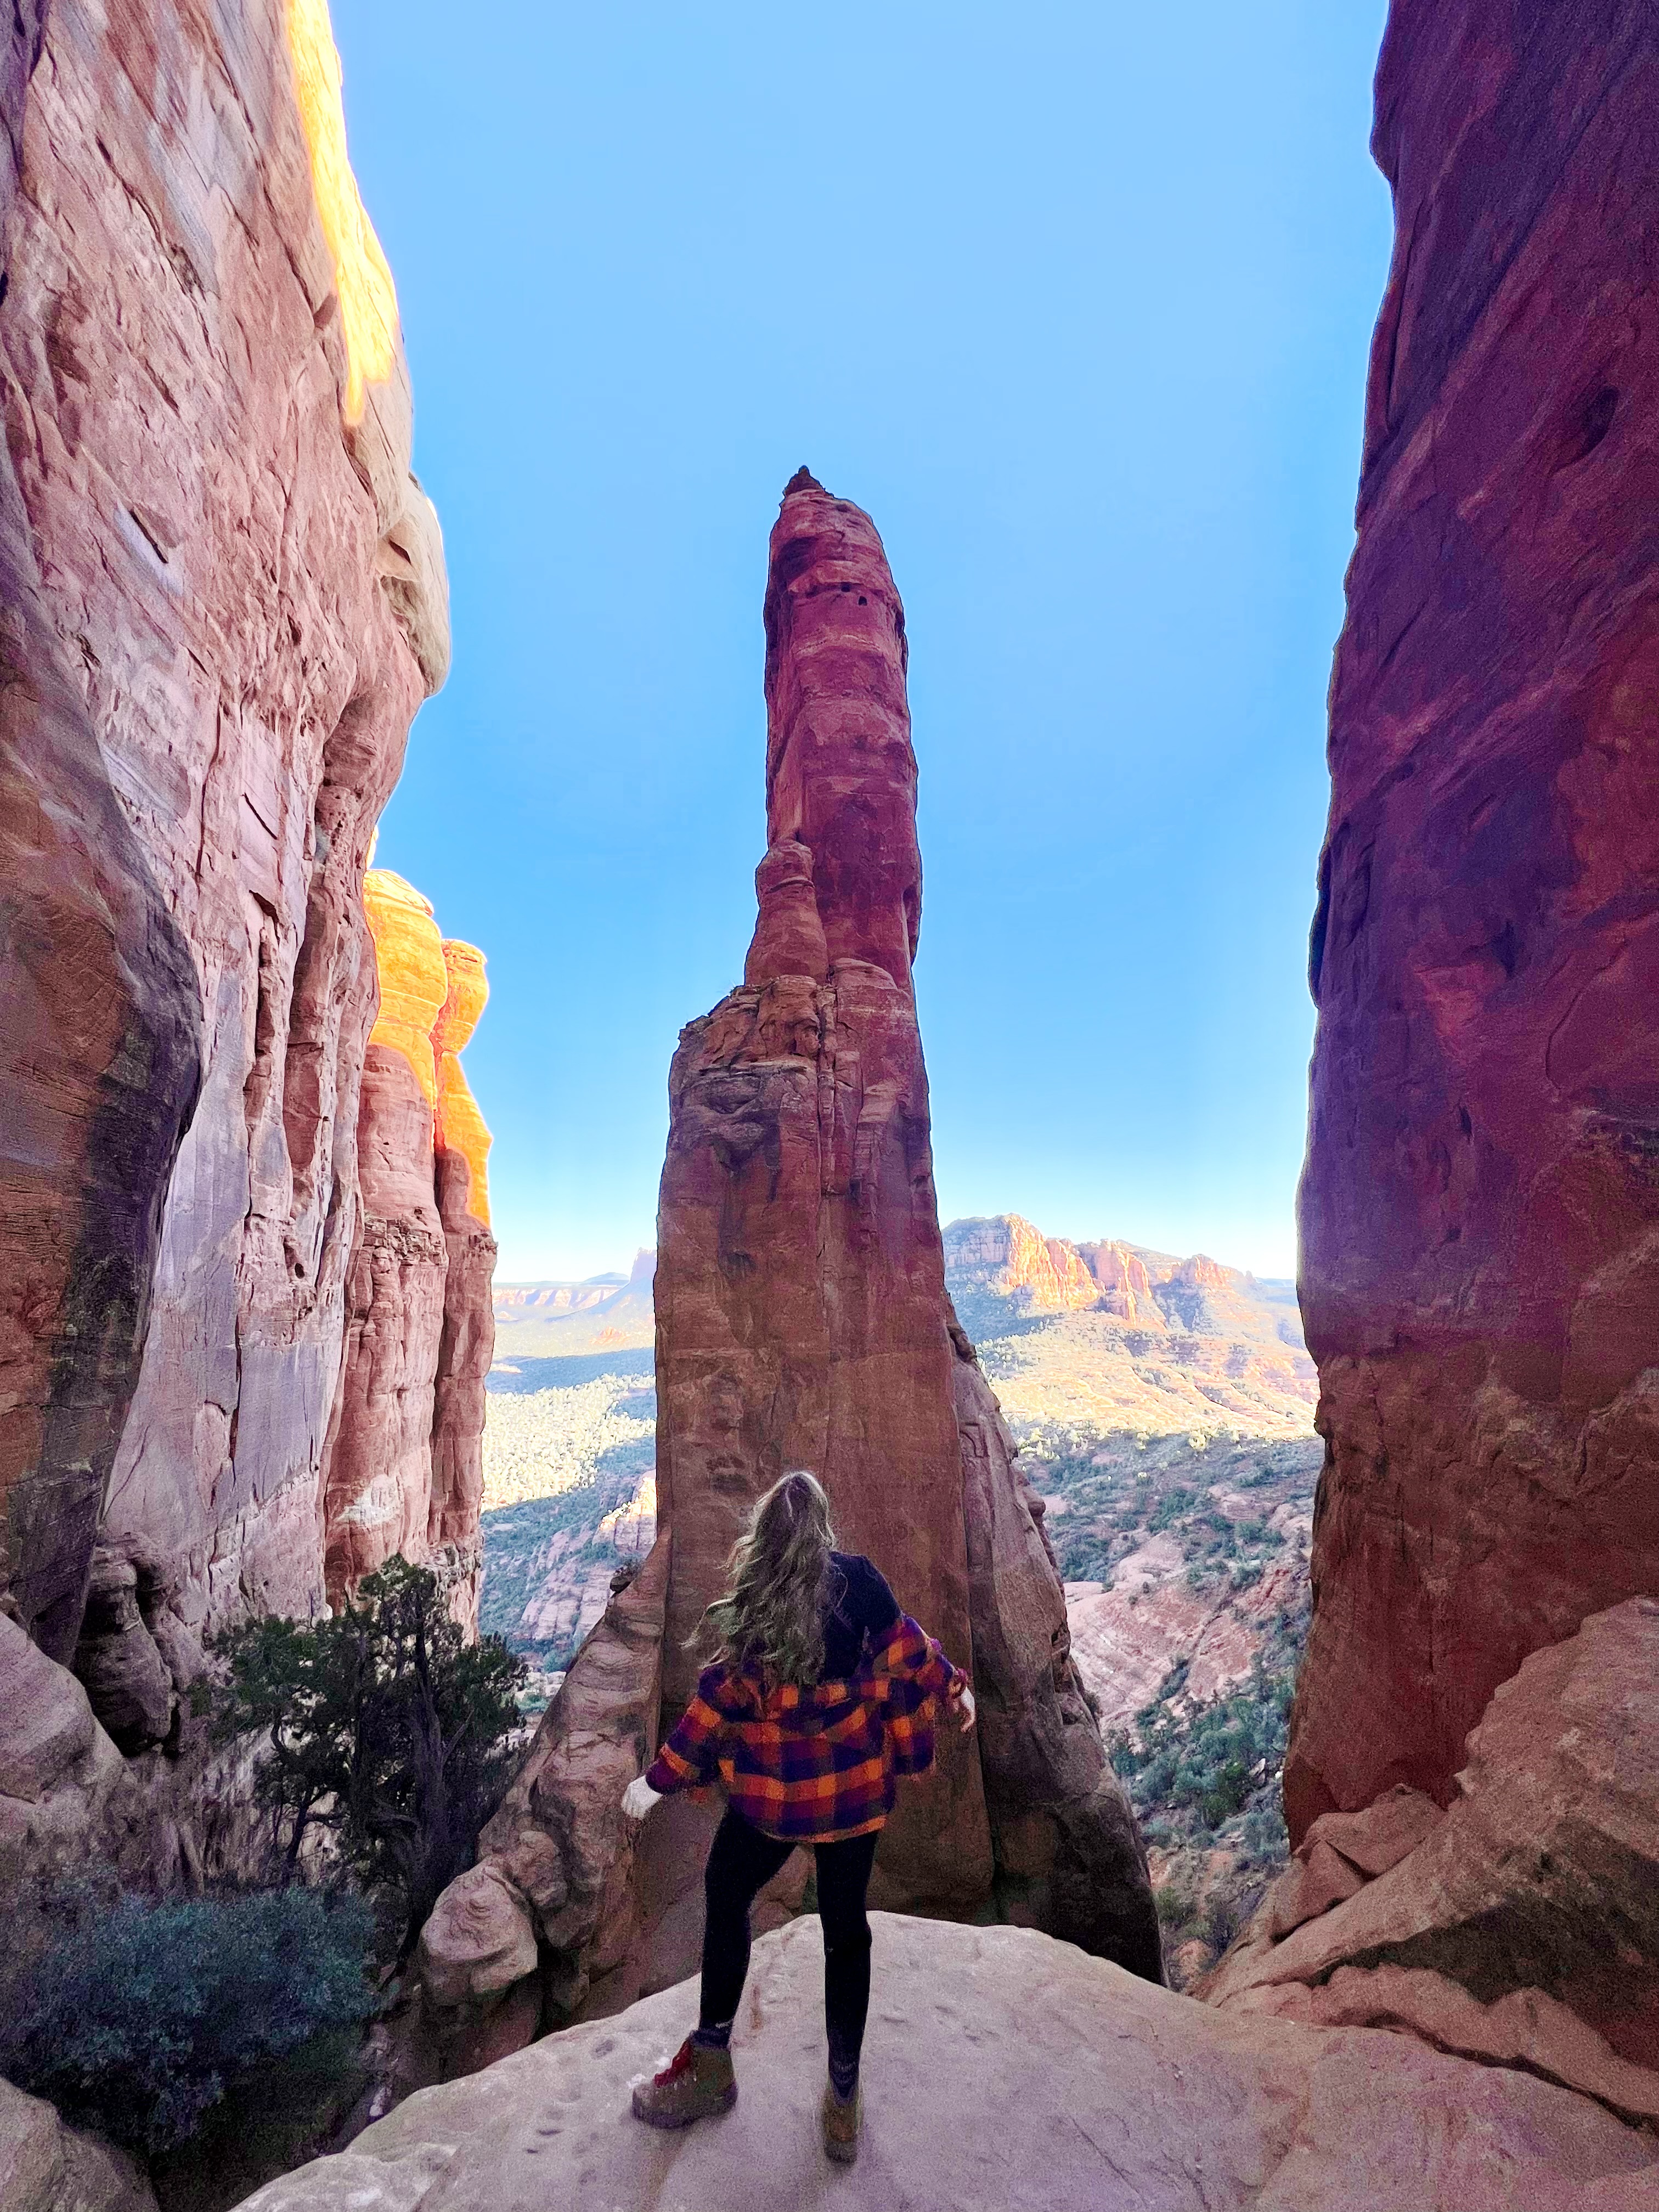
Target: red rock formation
<point x="1542" y="1880"/>
<point x="803" y="1321"/>
<point x="378" y="1470"/>
<point x="468" y="1345"/>
<point x="799" y="1288"/>
<point x="404" y="1469"/>
<point x="1480" y="1213"/>
<point x="225" y="599"/>
<point x="801" y="1309"/>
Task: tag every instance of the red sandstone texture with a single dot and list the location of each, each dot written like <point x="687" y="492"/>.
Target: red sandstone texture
<point x="404" y="1463"/>
<point x="1479" y="1213"/>
<point x="802" y="1316"/>
<point x="1529" y="1909"/>
<point x="803" y="1321"/>
<point x="224" y="600"/>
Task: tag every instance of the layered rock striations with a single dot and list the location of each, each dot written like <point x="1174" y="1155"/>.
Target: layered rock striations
<point x="800" y="1289"/>
<point x="225" y="599"/>
<point x="405" y="1461"/>
<point x="1480" y="1212"/>
<point x="802" y="1315"/>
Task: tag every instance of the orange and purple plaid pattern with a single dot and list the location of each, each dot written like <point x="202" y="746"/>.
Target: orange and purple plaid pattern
<point x="814" y="1766"/>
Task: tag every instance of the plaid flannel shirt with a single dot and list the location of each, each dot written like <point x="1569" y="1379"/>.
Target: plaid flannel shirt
<point x="813" y="1767"/>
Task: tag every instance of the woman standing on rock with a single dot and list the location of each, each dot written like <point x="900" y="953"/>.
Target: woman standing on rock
<point x="822" y="1694"/>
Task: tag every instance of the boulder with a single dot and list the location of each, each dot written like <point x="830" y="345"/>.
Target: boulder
<point x="1526" y="2029"/>
<point x="479" y="1940"/>
<point x="127" y="1679"/>
<point x="1006" y="2070"/>
<point x="1544" y="1873"/>
<point x="46" y="2167"/>
<point x="46" y="1724"/>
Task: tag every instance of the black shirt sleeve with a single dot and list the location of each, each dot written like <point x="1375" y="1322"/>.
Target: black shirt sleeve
<point x="869" y="1605"/>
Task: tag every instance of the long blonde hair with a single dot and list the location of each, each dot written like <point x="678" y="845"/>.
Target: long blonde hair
<point x="771" y="1617"/>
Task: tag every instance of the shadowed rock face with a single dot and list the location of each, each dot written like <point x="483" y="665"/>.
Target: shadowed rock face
<point x="100" y="1057"/>
<point x="223" y="601"/>
<point x="1480" y="1213"/>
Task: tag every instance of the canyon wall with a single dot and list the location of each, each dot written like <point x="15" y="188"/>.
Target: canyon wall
<point x="224" y="600"/>
<point x="1481" y="1211"/>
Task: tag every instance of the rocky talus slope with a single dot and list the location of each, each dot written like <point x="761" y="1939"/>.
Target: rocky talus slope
<point x="225" y="599"/>
<point x="1005" y="2073"/>
<point x="802" y="1319"/>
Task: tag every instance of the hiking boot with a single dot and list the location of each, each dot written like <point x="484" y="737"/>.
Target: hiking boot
<point x="842" y="2123"/>
<point x="696" y="2083"/>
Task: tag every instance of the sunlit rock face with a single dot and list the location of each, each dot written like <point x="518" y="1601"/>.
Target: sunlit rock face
<point x="1481" y="1212"/>
<point x="224" y="600"/>
<point x="468" y="1344"/>
<point x="404" y="1469"/>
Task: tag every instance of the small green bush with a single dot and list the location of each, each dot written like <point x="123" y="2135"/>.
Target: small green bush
<point x="137" y="2023"/>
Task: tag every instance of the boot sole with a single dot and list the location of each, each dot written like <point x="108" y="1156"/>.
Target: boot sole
<point x="673" y="2121"/>
<point x="842" y="2154"/>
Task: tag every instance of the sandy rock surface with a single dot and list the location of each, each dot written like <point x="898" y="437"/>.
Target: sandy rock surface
<point x="1004" y="2073"/>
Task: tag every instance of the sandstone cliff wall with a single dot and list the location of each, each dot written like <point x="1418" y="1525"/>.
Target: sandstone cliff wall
<point x="404" y="1461"/>
<point x="1480" y="1212"/>
<point x="224" y="600"/>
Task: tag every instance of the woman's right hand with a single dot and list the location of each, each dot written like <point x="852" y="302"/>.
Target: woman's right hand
<point x="964" y="1705"/>
<point x="639" y="1798"/>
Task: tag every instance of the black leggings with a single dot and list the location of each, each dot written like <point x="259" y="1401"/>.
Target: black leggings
<point x="741" y="1862"/>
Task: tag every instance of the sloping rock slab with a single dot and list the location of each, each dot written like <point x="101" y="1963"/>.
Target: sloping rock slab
<point x="46" y="2167"/>
<point x="1545" y="1872"/>
<point x="1005" y="2072"/>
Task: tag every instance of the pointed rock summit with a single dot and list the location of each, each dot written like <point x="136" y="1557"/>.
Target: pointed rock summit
<point x="803" y="480"/>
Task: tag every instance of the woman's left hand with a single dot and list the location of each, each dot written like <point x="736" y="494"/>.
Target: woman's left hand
<point x="639" y="1798"/>
<point x="965" y="1707"/>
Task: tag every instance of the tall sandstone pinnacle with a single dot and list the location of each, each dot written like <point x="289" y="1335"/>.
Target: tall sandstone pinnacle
<point x="404" y="1464"/>
<point x="803" y="1321"/>
<point x="802" y="1317"/>
<point x="224" y="600"/>
<point x="1481" y="1209"/>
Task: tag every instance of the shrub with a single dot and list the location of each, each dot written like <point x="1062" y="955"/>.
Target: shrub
<point x="381" y="1727"/>
<point x="139" y="2021"/>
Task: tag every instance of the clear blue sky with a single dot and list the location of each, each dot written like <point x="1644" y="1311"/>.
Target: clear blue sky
<point x="1075" y="300"/>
